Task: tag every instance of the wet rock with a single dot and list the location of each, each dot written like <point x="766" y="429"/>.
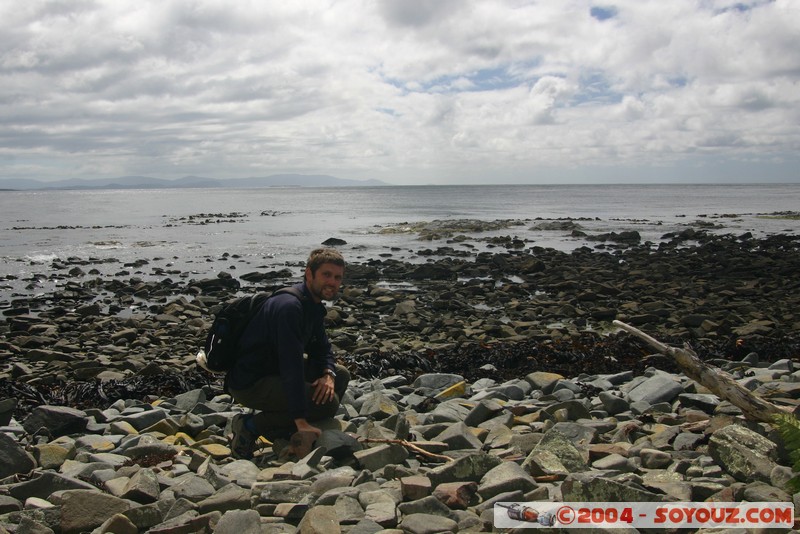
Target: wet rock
<point x="563" y="226"/>
<point x="621" y="237"/>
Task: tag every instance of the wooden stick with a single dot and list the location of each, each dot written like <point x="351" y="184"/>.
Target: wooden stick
<point x="716" y="380"/>
<point x="408" y="445"/>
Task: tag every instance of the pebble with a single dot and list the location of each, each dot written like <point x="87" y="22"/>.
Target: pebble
<point x="154" y="481"/>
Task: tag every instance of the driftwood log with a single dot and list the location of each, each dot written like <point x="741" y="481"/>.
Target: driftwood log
<point x="716" y="380"/>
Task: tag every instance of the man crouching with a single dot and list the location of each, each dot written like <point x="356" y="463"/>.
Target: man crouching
<point x="271" y="374"/>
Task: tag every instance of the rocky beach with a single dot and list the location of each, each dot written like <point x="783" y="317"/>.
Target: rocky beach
<point x="489" y="371"/>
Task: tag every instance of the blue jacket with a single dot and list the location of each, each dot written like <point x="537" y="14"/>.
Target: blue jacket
<point x="274" y="343"/>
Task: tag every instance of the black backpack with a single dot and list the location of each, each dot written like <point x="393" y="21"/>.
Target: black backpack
<point x="219" y="352"/>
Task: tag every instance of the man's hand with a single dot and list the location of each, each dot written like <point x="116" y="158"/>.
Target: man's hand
<point x="323" y="389"/>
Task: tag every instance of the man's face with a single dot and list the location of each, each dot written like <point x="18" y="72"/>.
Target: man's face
<point x="325" y="283"/>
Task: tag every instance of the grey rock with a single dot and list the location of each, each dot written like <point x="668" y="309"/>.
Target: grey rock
<point x="187" y="401"/>
<point x="117" y="524"/>
<point x="583" y="487"/>
<point x="488" y="504"/>
<point x="278" y="492"/>
<point x="580" y="435"/>
<point x="655" y="459"/>
<point x="14" y="459"/>
<point x="85" y="510"/>
<point x="467" y="468"/>
<point x="544" y="463"/>
<point x="239" y="522"/>
<point x="348" y="510"/>
<point x="142" y="487"/>
<point x="613" y="462"/>
<point x="429" y="505"/>
<point x="339" y="445"/>
<point x="330" y="496"/>
<point x="482" y="411"/>
<point x="508" y="476"/>
<point x="562" y="448"/>
<point x="149" y="515"/>
<point x="230" y="497"/>
<point x="499" y="437"/>
<point x="663" y="438"/>
<point x="427" y="524"/>
<point x="192" y="487"/>
<point x="9" y="504"/>
<point x="242" y="472"/>
<point x="55" y="421"/>
<point x="543" y="381"/>
<point x="29" y="525"/>
<point x="374" y="458"/>
<point x="180" y="508"/>
<point x="108" y="459"/>
<point x="705" y="402"/>
<point x="780" y="476"/>
<point x="45" y="484"/>
<point x="7" y="407"/>
<point x="377" y="406"/>
<point x="657" y="388"/>
<point x="744" y="454"/>
<point x="573" y="410"/>
<point x="458" y="436"/>
<point x="380" y="508"/>
<point x="365" y="526"/>
<point x="783" y="365"/>
<point x="687" y="441"/>
<point x="144" y="419"/>
<point x="145" y="445"/>
<point x="452" y="411"/>
<point x="437" y="381"/>
<point x="762" y="492"/>
<point x="613" y="404"/>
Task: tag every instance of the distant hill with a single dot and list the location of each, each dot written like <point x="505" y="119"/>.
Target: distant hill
<point x="187" y="182"/>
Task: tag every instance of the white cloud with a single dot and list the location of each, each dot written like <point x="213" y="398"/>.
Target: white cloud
<point x="412" y="91"/>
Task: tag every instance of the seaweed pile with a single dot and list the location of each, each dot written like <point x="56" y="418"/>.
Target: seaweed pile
<point x="99" y="394"/>
<point x="588" y="354"/>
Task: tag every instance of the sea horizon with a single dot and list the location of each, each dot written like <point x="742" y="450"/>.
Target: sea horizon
<point x="175" y="183"/>
<point x="187" y="230"/>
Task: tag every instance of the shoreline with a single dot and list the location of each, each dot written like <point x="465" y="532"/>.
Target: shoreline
<point x="500" y="370"/>
<point x="694" y="287"/>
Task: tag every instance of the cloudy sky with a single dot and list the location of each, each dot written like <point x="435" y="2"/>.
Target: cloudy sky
<point x="404" y="91"/>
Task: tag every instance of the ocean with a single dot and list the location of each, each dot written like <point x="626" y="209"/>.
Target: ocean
<point x="203" y="231"/>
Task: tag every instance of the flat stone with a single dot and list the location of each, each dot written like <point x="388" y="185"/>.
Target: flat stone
<point x="427" y="524"/>
<point x="744" y="454"/>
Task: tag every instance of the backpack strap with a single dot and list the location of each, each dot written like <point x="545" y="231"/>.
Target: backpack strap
<point x="292" y="291"/>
